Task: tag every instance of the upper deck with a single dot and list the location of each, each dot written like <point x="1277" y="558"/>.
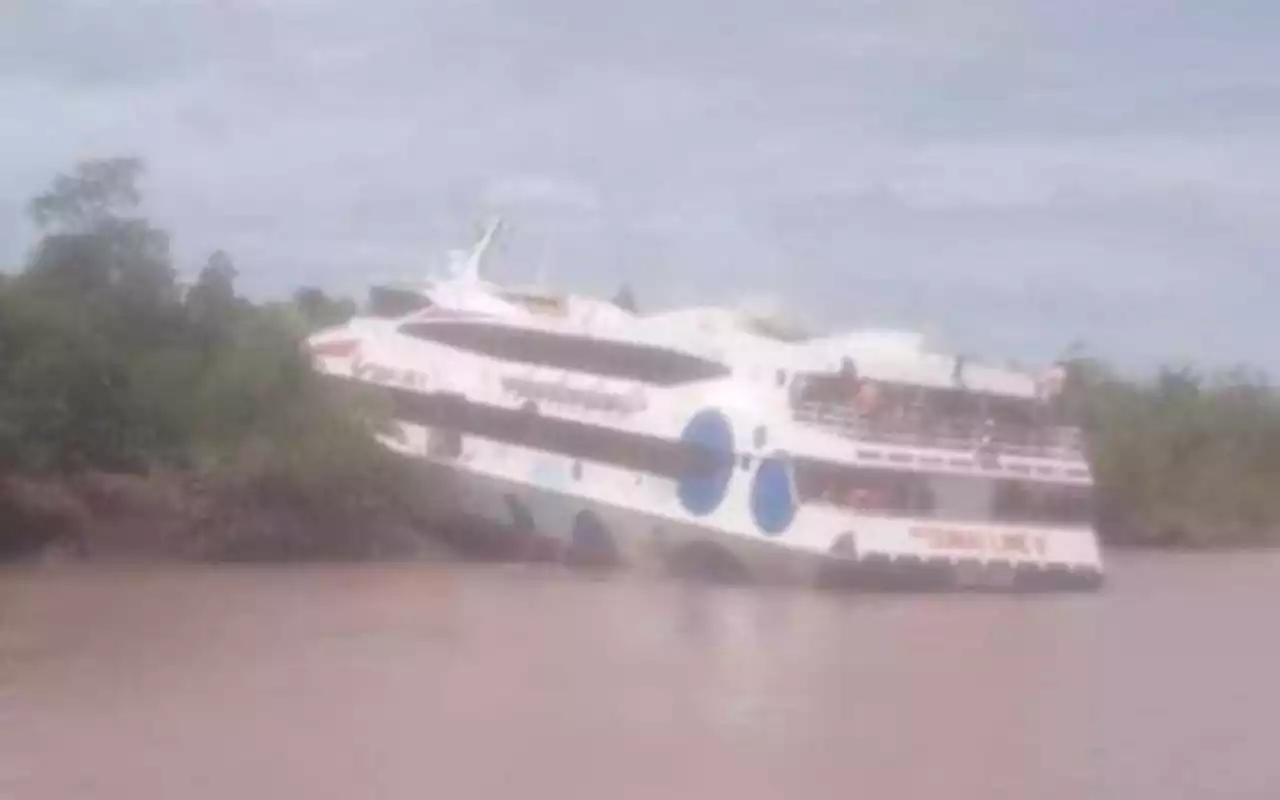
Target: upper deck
<point x="915" y="426"/>
<point x="916" y="399"/>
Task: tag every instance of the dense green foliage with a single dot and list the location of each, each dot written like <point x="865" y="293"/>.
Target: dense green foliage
<point x="107" y="362"/>
<point x="1182" y="459"/>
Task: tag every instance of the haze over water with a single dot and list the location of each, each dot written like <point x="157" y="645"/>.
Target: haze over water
<point x="412" y="681"/>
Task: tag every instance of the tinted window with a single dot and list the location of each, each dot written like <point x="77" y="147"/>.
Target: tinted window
<point x="955" y="498"/>
<point x="643" y="363"/>
<point x="389" y="303"/>
<point x="871" y="490"/>
<point x="567" y="437"/>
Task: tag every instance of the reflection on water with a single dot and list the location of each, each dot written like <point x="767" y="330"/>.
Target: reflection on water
<point x="404" y="681"/>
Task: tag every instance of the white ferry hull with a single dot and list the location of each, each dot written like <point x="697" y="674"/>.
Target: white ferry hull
<point x="490" y="510"/>
<point x="595" y="467"/>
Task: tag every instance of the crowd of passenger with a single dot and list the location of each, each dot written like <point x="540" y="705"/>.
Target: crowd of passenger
<point x="910" y="494"/>
<point x="947" y="417"/>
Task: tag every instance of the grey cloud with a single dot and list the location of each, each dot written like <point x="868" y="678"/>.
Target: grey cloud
<point x="1010" y="174"/>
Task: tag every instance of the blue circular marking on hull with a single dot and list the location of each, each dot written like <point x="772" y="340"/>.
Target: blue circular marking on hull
<point x="705" y="482"/>
<point x="773" y="495"/>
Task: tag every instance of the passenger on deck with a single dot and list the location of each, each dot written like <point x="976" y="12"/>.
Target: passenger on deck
<point x="865" y="499"/>
<point x="866" y="399"/>
<point x="987" y="434"/>
<point x="854" y="498"/>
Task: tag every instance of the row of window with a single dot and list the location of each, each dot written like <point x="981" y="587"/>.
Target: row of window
<point x="528" y="428"/>
<point x="387" y="302"/>
<point x="909" y="494"/>
<point x="631" y="361"/>
<point x="956" y="498"/>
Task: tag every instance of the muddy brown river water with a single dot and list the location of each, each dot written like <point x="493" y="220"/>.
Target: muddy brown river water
<point x="428" y="681"/>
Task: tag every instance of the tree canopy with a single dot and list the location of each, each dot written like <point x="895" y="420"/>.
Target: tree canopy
<point x="108" y="362"/>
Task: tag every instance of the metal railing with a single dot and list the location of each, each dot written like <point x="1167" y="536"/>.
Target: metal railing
<point x="1055" y="442"/>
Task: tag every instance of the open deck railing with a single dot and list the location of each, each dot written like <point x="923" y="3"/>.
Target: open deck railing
<point x="1055" y="442"/>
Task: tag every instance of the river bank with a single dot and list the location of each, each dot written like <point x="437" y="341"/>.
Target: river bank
<point x="183" y="517"/>
<point x="234" y="448"/>
<point x="178" y="516"/>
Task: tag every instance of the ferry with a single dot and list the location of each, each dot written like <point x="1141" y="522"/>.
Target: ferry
<point x="710" y="439"/>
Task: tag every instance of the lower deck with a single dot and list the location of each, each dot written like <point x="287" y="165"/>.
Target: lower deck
<point x="557" y="521"/>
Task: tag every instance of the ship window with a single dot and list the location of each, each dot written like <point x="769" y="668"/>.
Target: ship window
<point x="962" y="497"/>
<point x="444" y="443"/>
<point x="954" y="498"/>
<point x="578" y="440"/>
<point x="873" y="491"/>
<point x="389" y="303"/>
<point x="644" y="363"/>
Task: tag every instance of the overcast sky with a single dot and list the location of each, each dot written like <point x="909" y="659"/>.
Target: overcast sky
<point x="1009" y="176"/>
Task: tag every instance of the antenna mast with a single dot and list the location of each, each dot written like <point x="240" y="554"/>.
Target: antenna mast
<point x="468" y="268"/>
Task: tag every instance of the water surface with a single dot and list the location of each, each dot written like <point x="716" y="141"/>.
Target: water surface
<point x="412" y="681"/>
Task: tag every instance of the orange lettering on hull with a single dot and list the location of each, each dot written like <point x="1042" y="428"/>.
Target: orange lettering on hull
<point x="986" y="543"/>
